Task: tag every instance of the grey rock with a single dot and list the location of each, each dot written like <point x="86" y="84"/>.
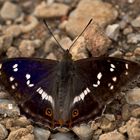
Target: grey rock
<point x="10" y="11"/>
<point x="102" y="13"/>
<point x="63" y="136"/>
<point x="3" y="132"/>
<point x="133" y="38"/>
<point x="45" y="10"/>
<point x="133" y="96"/>
<point x="136" y="22"/>
<point x="112" y="31"/>
<point x="41" y="134"/>
<point x="84" y="132"/>
<point x="8" y="108"/>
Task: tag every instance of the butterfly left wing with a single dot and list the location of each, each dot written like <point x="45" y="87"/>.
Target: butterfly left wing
<point x="29" y="83"/>
<point x="101" y="79"/>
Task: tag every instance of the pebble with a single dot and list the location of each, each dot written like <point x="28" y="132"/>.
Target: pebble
<point x="133" y="96"/>
<point x="11" y="30"/>
<point x="136" y="22"/>
<point x="102" y="13"/>
<point x="8" y="108"/>
<point x="51" y="56"/>
<point x="41" y="134"/>
<point x="12" y="52"/>
<point x="84" y="132"/>
<point x="63" y="136"/>
<point x="135" y="112"/>
<point x="107" y="125"/>
<point x="133" y="129"/>
<point x="33" y="22"/>
<point x="137" y="51"/>
<point x="10" y="11"/>
<point x="133" y="38"/>
<point x="5" y="42"/>
<point x="116" y="53"/>
<point x="27" y="48"/>
<point x="21" y="134"/>
<point x="3" y="132"/>
<point x="96" y="41"/>
<point x="127" y="30"/>
<point x="112" y="31"/>
<point x="112" y="136"/>
<point x="54" y="10"/>
<point x="126" y="113"/>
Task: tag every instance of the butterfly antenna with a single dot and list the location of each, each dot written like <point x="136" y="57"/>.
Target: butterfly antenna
<point x="80" y="33"/>
<point x="52" y="34"/>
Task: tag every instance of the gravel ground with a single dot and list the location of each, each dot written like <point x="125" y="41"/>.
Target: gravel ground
<point x="115" y="31"/>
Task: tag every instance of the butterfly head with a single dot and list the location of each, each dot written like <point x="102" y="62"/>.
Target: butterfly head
<point x="66" y="55"/>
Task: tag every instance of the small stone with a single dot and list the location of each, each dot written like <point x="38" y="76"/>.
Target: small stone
<point x="66" y="42"/>
<point x="102" y="13"/>
<point x="136" y="22"/>
<point x="5" y="42"/>
<point x="106" y="125"/>
<point x="27" y="48"/>
<point x="54" y="10"/>
<point x="127" y="30"/>
<point x="110" y="117"/>
<point x="112" y="136"/>
<point x="63" y="136"/>
<point x="133" y="38"/>
<point x="29" y="137"/>
<point x="112" y="31"/>
<point x="78" y="49"/>
<point x="12" y="52"/>
<point x="20" y="134"/>
<point x="126" y="112"/>
<point x="137" y="51"/>
<point x="95" y="41"/>
<point x="133" y="96"/>
<point x="41" y="134"/>
<point x="51" y="56"/>
<point x="136" y="112"/>
<point x="10" y="11"/>
<point x="22" y="122"/>
<point x="8" y="108"/>
<point x="84" y="132"/>
<point x="117" y="53"/>
<point x="3" y="132"/>
<point x="133" y="129"/>
<point x="11" y="30"/>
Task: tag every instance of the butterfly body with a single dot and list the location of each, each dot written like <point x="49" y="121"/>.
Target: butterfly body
<point x="65" y="93"/>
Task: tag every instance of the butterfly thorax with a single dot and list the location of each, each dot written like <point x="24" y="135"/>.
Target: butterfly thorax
<point x="65" y="74"/>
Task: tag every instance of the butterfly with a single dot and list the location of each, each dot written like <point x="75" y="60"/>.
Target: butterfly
<point x="65" y="93"/>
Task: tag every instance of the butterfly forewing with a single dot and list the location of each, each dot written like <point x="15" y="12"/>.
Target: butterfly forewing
<point x="29" y="83"/>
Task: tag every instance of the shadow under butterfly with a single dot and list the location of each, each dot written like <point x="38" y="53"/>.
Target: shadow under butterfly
<point x="65" y="93"/>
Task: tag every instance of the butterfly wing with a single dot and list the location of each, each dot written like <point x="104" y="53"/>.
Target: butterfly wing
<point x="30" y="83"/>
<point x="100" y="80"/>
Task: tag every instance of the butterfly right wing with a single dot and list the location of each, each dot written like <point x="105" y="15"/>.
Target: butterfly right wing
<point x="100" y="79"/>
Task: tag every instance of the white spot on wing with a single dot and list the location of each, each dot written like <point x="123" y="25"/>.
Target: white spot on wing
<point x="95" y="85"/>
<point x="11" y="79"/>
<point x="112" y="66"/>
<point x="13" y="87"/>
<point x="126" y="65"/>
<point x="111" y="69"/>
<point x="15" y="66"/>
<point x="99" y="76"/>
<point x="126" y="73"/>
<point x="0" y="65"/>
<point x="28" y="76"/>
<point x="114" y="79"/>
<point x="112" y="87"/>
